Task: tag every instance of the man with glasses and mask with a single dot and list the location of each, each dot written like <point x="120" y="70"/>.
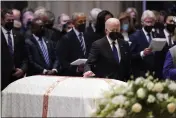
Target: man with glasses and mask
<point x="109" y="57"/>
<point x="13" y="55"/>
<point x="142" y="56"/>
<point x="41" y="52"/>
<point x="74" y="45"/>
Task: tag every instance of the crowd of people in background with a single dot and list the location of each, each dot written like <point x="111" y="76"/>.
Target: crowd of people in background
<point x="36" y="42"/>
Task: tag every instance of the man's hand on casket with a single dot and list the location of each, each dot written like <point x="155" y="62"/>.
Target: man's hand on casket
<point x="18" y="73"/>
<point x="88" y="74"/>
<point x="51" y="72"/>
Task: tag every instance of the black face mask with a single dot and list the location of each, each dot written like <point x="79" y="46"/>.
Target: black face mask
<point x="81" y="27"/>
<point x="8" y="26"/>
<point x="49" y="26"/>
<point x="159" y="25"/>
<point x="170" y="27"/>
<point x="148" y="28"/>
<point x="115" y="35"/>
<point x="40" y="33"/>
<point x="28" y="24"/>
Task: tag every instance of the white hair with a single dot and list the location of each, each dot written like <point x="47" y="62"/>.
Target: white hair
<point x="76" y="14"/>
<point x="40" y="13"/>
<point x="110" y="21"/>
<point x="94" y="13"/>
<point x="60" y="18"/>
<point x="148" y="14"/>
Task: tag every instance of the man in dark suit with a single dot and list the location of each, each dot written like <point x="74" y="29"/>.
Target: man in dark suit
<point x="14" y="60"/>
<point x="167" y="33"/>
<point x="109" y="57"/>
<point x="169" y="68"/>
<point x="74" y="45"/>
<point x="40" y="50"/>
<point x="142" y="55"/>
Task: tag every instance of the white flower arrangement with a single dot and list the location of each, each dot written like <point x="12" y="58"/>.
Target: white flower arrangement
<point x="141" y="98"/>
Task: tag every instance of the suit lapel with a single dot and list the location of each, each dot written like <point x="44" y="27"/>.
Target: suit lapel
<point x="77" y="41"/>
<point x="3" y="39"/>
<point x="121" y="48"/>
<point x="107" y="48"/>
<point x="38" y="47"/>
<point x="15" y="40"/>
<point x="144" y="42"/>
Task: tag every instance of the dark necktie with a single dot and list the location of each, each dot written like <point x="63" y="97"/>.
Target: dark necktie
<point x="170" y="41"/>
<point x="115" y="53"/>
<point x="10" y="43"/>
<point x="150" y="38"/>
<point x="82" y="43"/>
<point x="44" y="51"/>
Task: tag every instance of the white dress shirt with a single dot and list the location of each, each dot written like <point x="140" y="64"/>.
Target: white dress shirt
<point x="37" y="39"/>
<point x="77" y="34"/>
<point x="93" y="27"/>
<point x="166" y="33"/>
<point x="6" y="36"/>
<point x="147" y="35"/>
<point x="116" y="45"/>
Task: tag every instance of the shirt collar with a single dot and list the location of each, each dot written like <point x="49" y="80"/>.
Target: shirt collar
<point x="110" y="41"/>
<point x="36" y="37"/>
<point x="76" y="31"/>
<point x="144" y="31"/>
<point x="5" y="31"/>
<point x="93" y="27"/>
<point x="166" y="32"/>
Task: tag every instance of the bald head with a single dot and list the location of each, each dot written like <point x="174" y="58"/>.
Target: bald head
<point x="112" y="24"/>
<point x="16" y="14"/>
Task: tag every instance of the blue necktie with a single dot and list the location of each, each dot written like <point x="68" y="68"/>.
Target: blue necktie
<point x="82" y="43"/>
<point x="115" y="53"/>
<point x="44" y="51"/>
<point x="10" y="43"/>
<point x="150" y="38"/>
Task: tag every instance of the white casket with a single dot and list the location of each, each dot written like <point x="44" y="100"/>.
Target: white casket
<point x="53" y="96"/>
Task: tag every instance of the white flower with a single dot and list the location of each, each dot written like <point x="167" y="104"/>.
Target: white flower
<point x="166" y="96"/>
<point x="139" y="80"/>
<point x="171" y="107"/>
<point x="127" y="103"/>
<point x="103" y="101"/>
<point x="172" y="86"/>
<point x="158" y="87"/>
<point x="150" y="77"/>
<point x="151" y="99"/>
<point x="141" y="93"/>
<point x="160" y="96"/>
<point x="150" y="85"/>
<point x="108" y="106"/>
<point x="120" y="113"/>
<point x="119" y="100"/>
<point x="136" y="108"/>
<point x="147" y="74"/>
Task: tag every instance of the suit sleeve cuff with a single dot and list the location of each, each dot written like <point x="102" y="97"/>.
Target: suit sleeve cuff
<point x="44" y="71"/>
<point x="142" y="54"/>
<point x="55" y="70"/>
